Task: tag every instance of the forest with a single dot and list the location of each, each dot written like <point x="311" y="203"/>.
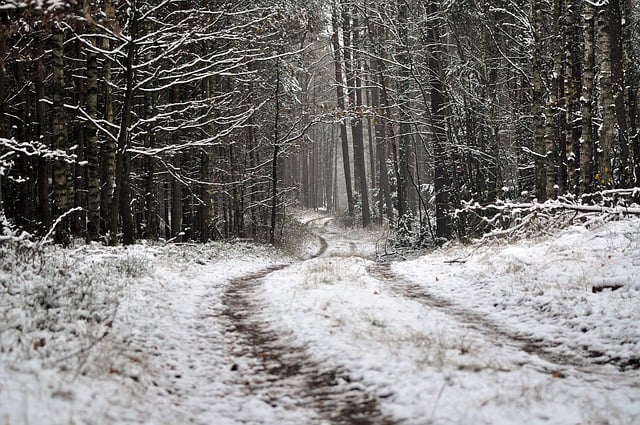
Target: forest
<point x="123" y="120"/>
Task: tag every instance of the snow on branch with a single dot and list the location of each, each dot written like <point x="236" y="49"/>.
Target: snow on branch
<point x="514" y="219"/>
<point x="9" y="147"/>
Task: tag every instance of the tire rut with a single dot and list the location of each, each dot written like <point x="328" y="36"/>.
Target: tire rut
<point x="582" y="359"/>
<point x="282" y="371"/>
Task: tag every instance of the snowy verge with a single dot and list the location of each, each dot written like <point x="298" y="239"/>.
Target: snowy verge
<point x="578" y="289"/>
<point x="122" y="335"/>
<point x="428" y="366"/>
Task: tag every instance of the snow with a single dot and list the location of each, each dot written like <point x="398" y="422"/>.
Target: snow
<point x="543" y="330"/>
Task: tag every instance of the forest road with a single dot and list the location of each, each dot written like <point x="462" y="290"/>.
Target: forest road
<point x="580" y="358"/>
<point x="284" y="371"/>
<point x="281" y="372"/>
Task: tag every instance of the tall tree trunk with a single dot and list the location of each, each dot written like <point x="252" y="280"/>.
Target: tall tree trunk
<point x="352" y="69"/>
<point x="440" y="177"/>
<point x="4" y="27"/>
<point x="126" y="213"/>
<point x="61" y="169"/>
<point x="616" y="29"/>
<point x="206" y="195"/>
<point x="274" y="161"/>
<point x="572" y="81"/>
<point x="176" y="203"/>
<point x="384" y="199"/>
<point x="121" y="203"/>
<point x="22" y="126"/>
<point x="586" y="99"/>
<point x="151" y="207"/>
<point x="377" y="133"/>
<point x="44" y="169"/>
<point x="402" y="56"/>
<point x="607" y="127"/>
<point x="92" y="148"/>
<point x="109" y="146"/>
<point x="341" y="105"/>
<point x="538" y="102"/>
<point x="553" y="127"/>
<point x="632" y="82"/>
<point x="371" y="139"/>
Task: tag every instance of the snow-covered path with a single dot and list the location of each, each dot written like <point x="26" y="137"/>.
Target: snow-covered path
<point x="239" y="334"/>
<point x="434" y="356"/>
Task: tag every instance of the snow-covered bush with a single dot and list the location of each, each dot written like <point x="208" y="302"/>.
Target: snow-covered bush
<point x="517" y="220"/>
<point x="57" y="305"/>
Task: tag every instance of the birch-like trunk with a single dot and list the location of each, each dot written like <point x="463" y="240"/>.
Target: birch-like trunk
<point x="538" y="102"/>
<point x="92" y="150"/>
<point x="586" y="139"/>
<point x="572" y="100"/>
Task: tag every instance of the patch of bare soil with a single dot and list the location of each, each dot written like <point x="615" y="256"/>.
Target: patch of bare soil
<point x="282" y="373"/>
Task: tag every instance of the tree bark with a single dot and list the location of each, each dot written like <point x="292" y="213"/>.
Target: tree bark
<point x="109" y="146"/>
<point x="538" y="102"/>
<point x="61" y="169"/>
<point x="441" y="177"/>
<point x="176" y="205"/>
<point x="618" y="64"/>
<point x="274" y="161"/>
<point x="604" y="177"/>
<point x="92" y="148"/>
<point x="403" y="149"/>
<point x="121" y="202"/>
<point x="352" y="69"/>
<point x="572" y="81"/>
<point x="632" y="83"/>
<point x="587" y="144"/>
<point x="385" y="204"/>
<point x="341" y="105"/>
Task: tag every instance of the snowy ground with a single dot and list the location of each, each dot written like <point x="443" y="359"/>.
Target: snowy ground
<point x="541" y="331"/>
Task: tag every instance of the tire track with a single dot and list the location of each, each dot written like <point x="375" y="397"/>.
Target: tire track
<point x="582" y="358"/>
<point x="282" y="371"/>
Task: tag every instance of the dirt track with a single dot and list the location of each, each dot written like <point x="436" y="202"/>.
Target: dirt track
<point x="282" y="372"/>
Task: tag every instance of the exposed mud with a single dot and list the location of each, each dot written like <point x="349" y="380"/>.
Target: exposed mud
<point x="581" y="358"/>
<point x="282" y="373"/>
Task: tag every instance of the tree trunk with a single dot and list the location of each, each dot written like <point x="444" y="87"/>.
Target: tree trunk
<point x="355" y="97"/>
<point x="607" y="128"/>
<point x="61" y="169"/>
<point x="274" y="161"/>
<point x="4" y="32"/>
<point x="176" y="203"/>
<point x="92" y="149"/>
<point x="616" y="28"/>
<point x="121" y="203"/>
<point x="384" y="196"/>
<point x="572" y="102"/>
<point x="632" y="83"/>
<point x="109" y="146"/>
<point x="440" y="177"/>
<point x="341" y="106"/>
<point x="26" y="209"/>
<point x="44" y="169"/>
<point x="402" y="54"/>
<point x="553" y="127"/>
<point x="587" y="144"/>
<point x="537" y="103"/>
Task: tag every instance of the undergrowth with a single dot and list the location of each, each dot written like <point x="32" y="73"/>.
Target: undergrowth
<point x="58" y="306"/>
